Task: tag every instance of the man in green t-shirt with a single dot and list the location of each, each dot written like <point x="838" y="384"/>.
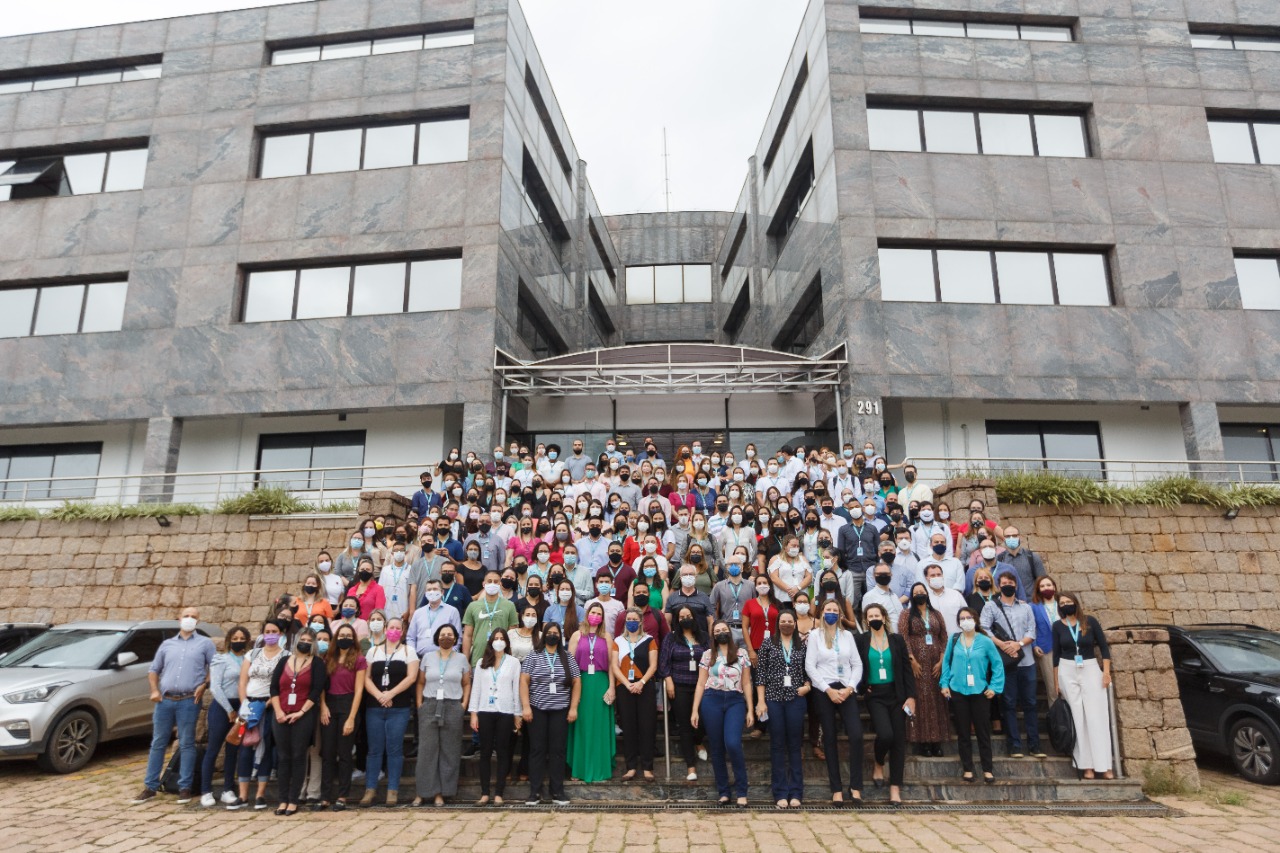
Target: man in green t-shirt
<point x="489" y="611"/>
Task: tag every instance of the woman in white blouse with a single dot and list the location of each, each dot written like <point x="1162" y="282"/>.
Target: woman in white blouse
<point x="790" y="571"/>
<point x="835" y="669"/>
<point x="495" y="709"/>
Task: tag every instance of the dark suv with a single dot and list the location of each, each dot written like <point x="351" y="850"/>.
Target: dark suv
<point x="1229" y="679"/>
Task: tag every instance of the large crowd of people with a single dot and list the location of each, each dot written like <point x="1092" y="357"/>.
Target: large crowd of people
<point x="541" y="602"/>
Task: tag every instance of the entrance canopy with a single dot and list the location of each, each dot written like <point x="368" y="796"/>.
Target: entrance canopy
<point x="688" y="368"/>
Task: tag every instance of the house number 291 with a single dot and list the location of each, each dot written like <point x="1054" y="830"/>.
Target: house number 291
<point x="868" y="407"/>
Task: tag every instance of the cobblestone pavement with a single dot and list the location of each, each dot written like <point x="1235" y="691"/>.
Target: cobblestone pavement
<point x="89" y="811"/>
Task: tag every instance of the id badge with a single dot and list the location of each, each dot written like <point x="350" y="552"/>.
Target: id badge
<point x="440" y="695"/>
<point x="395" y="597"/>
<point x="1080" y="661"/>
<point x="840" y="671"/>
<point x="786" y="681"/>
<point x="493" y="699"/>
<point x="884" y="676"/>
<point x="970" y="679"/>
<point x="591" y="669"/>
<point x="292" y="700"/>
<point x="693" y="665"/>
<point x="766" y="633"/>
<point x="552" y="691"/>
<point x="737" y="616"/>
<point x="928" y="639"/>
<point x="631" y="675"/>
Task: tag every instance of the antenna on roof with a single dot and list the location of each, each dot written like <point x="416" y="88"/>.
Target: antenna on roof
<point x="666" y="170"/>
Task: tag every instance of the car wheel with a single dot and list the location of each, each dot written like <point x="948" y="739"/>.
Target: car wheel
<point x="71" y="743"/>
<point x="1254" y="751"/>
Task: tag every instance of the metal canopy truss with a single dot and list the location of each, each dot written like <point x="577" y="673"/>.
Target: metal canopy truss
<point x="691" y="368"/>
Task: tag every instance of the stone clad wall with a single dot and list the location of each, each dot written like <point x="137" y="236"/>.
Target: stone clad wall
<point x="1152" y="728"/>
<point x="229" y="566"/>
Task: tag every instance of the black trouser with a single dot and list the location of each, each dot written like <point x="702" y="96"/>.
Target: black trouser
<point x="521" y="739"/>
<point x="638" y="718"/>
<point x="973" y="711"/>
<point x="548" y="741"/>
<point x="335" y="749"/>
<point x="681" y="713"/>
<point x="495" y="734"/>
<point x="292" y="742"/>
<point x="847" y="713"/>
<point x="890" y="724"/>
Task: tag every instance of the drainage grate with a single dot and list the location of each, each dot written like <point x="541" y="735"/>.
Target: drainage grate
<point x="1138" y="809"/>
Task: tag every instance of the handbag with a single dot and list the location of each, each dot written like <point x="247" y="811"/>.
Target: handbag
<point x="251" y="737"/>
<point x="1007" y="659"/>
<point x="235" y="737"/>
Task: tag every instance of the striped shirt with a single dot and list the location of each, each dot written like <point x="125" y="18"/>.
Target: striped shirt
<point x="544" y="669"/>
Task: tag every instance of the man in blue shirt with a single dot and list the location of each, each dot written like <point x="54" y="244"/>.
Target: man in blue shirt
<point x="424" y="499"/>
<point x="178" y="676"/>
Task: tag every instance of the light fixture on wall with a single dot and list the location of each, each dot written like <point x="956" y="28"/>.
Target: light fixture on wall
<point x="163" y="520"/>
<point x="1230" y="515"/>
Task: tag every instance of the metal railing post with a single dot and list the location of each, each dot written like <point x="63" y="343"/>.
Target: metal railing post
<point x="1115" y="731"/>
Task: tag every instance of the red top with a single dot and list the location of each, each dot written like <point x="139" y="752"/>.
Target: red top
<point x="753" y="609"/>
<point x="295" y="686"/>
<point x="373" y="598"/>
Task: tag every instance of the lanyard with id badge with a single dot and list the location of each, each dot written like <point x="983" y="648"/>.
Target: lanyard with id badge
<point x="1075" y="638"/>
<point x="493" y="685"/>
<point x="552" y="689"/>
<point x="786" y="658"/>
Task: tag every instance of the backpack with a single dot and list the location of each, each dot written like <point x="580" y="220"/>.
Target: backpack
<point x="1062" y="727"/>
<point x="169" y="779"/>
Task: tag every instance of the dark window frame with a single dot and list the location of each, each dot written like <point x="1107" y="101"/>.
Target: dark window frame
<point x="39" y="451"/>
<point x="436" y="28"/>
<point x="911" y="15"/>
<point x="933" y="248"/>
<point x="1079" y="112"/>
<point x="1272" y="435"/>
<point x="535" y="190"/>
<point x="316" y="440"/>
<point x="738" y="237"/>
<point x="1033" y="426"/>
<point x="57" y="169"/>
<point x="40" y="286"/>
<point x="800" y="188"/>
<point x="79" y="69"/>
<point x="548" y="125"/>
<point x="805" y="322"/>
<point x="598" y="313"/>
<point x="788" y="110"/>
<point x="604" y="255"/>
<point x="534" y="328"/>
<point x="311" y="129"/>
<point x="736" y="321"/>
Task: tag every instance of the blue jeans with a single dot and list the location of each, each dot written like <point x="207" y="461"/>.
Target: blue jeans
<point x="786" y="731"/>
<point x="246" y="769"/>
<point x="219" y="725"/>
<point x="386" y="727"/>
<point x="724" y="714"/>
<point x="168" y="713"/>
<point x="1020" y="693"/>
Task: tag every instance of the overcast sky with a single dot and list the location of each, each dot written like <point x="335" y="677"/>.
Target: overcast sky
<point x="707" y="70"/>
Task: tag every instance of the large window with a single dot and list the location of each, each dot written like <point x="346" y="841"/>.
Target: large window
<point x="296" y="456"/>
<point x="1027" y="134"/>
<point x="668" y="283"/>
<point x="62" y="309"/>
<point x="1071" y="446"/>
<point x="1244" y="141"/>
<point x="1259" y="280"/>
<point x="966" y="29"/>
<point x="381" y="146"/>
<point x="534" y="328"/>
<point x="372" y="46"/>
<point x="737" y="318"/>
<point x="146" y="68"/>
<point x="805" y="323"/>
<point x="548" y="125"/>
<point x="539" y="201"/>
<point x="1252" y="443"/>
<point x="994" y="276"/>
<point x="1235" y="41"/>
<point x="48" y="175"/>
<point x="391" y="287"/>
<point x="27" y="471"/>
<point x="785" y="119"/>
<point x="799" y="191"/>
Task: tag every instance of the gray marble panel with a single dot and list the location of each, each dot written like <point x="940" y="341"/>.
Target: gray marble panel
<point x="216" y="211"/>
<point x="1136" y="192"/>
<point x="162" y="218"/>
<point x="232" y="90"/>
<point x="1194" y="194"/>
<point x="1079" y="191"/>
<point x="243" y="25"/>
<point x="1148" y="276"/>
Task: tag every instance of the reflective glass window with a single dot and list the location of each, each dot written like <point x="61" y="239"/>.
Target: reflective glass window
<point x="1037" y="33"/>
<point x="435" y="285"/>
<point x="893" y="130"/>
<point x="84" y="172"/>
<point x="292" y="55"/>
<point x="1082" y="279"/>
<point x="58" y="312"/>
<point x="697" y="283"/>
<point x="62" y="82"/>
<point x="385" y="147"/>
<point x="323" y="292"/>
<point x="992" y="31"/>
<point x="16" y="309"/>
<point x="93" y="78"/>
<point x="1257" y="43"/>
<point x="285" y="155"/>
<point x="954" y="29"/>
<point x="1212" y="41"/>
<point x="379" y="289"/>
<point x="1259" y="280"/>
<point x="141" y="72"/>
<point x="1006" y="133"/>
<point x="1267" y="136"/>
<point x="399" y="44"/>
<point x="444" y="141"/>
<point x="965" y="276"/>
<point x="1231" y="142"/>
<point x="1060" y="136"/>
<point x="1024" y="278"/>
<point x="104" y="307"/>
<point x="126" y="170"/>
<point x="892" y="26"/>
<point x="269" y="296"/>
<point x="344" y="50"/>
<point x="950" y="132"/>
<point x="639" y="285"/>
<point x="668" y="284"/>
<point x="906" y="275"/>
<point x="336" y="151"/>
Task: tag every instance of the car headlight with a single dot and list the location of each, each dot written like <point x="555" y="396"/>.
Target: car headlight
<point x="35" y="694"/>
<point x="1274" y="698"/>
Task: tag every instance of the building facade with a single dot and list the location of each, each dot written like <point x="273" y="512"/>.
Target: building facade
<point x="303" y="236"/>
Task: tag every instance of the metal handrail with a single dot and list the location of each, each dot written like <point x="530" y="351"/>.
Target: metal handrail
<point x="1120" y="471"/>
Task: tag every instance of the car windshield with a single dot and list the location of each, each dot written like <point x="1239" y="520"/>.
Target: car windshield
<point x="1244" y="653"/>
<point x="74" y="649"/>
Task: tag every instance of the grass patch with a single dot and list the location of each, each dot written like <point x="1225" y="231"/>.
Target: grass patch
<point x="1051" y="488"/>
<point x="1161" y="781"/>
<point x="337" y="507"/>
<point x="85" y="511"/>
<point x="1227" y="798"/>
<point x="263" y="501"/>
<point x="18" y="513"/>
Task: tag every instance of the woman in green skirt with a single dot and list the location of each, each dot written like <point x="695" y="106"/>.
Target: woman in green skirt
<point x="592" y="741"/>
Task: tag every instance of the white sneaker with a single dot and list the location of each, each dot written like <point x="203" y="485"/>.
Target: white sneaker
<point x="357" y="776"/>
<point x="229" y="797"/>
<point x="208" y="801"/>
<point x="692" y="777"/>
<point x="702" y="754"/>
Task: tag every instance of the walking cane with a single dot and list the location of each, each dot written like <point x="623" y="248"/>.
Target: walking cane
<point x="666" y="732"/>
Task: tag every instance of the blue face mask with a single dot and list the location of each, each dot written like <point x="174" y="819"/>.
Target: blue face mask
<point x="831" y="618"/>
<point x="1011" y="541"/>
<point x="571" y="560"/>
<point x="940" y="549"/>
<point x="603" y="588"/>
<point x="357" y="544"/>
<point x="632" y="625"/>
<point x="348" y="612"/>
<point x="552" y="455"/>
<point x="650" y="572"/>
<point x="735" y="569"/>
<point x="322" y="646"/>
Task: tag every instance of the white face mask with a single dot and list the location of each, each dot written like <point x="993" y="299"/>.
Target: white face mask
<point x="324" y="566"/>
<point x="783" y="506"/>
<point x="530" y="621"/>
<point x="434" y="595"/>
<point x="698" y="525"/>
<point x="566" y="595"/>
<point x="855" y="513"/>
<point x="397" y="557"/>
<point x="793" y="551"/>
<point x="988" y="553"/>
<point x="762" y="590"/>
<point x="499" y="645"/>
<point x="376" y="626"/>
<point x="802" y="609"/>
<point x="492" y="588"/>
<point x="188" y="623"/>
<point x="904" y="545"/>
<point x="935" y="582"/>
<point x="687" y="581"/>
<point x="966" y="625"/>
<point x="926" y="515"/>
<point x="650" y="547"/>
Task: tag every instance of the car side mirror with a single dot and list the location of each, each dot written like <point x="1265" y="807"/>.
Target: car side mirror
<point x="124" y="659"/>
<point x="1193" y="663"/>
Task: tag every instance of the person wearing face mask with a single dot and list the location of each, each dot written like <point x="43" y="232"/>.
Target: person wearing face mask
<point x="724" y="701"/>
<point x="178" y="677"/>
<point x="1019" y="555"/>
<point x="700" y="538"/>
<point x="551" y="466"/>
<point x="858" y="544"/>
<point x="332" y="584"/>
<point x="254" y="690"/>
<point x="563" y="608"/>
<point x="471" y="571"/>
<point x="651" y="572"/>
<point x="789" y="570"/>
<point x="444" y="689"/>
<point x="311" y="783"/>
<point x="988" y="558"/>
<point x="953" y="573"/>
<point x="612" y="607"/>
<point x="626" y="489"/>
<point x="394" y="581"/>
<point x="534" y="596"/>
<point x="349" y="560"/>
<point x="1082" y="668"/>
<point x="729" y="596"/>
<point x="522" y="544"/>
<point x="972" y="677"/>
<point x="366" y="590"/>
<point x="224" y="681"/>
<point x="550" y="692"/>
<point x="339" y="716"/>
<point x="887" y="585"/>
<point x="493" y="550"/>
<point x="496" y="712"/>
<point x="1012" y="625"/>
<point x="782" y="689"/>
<point x="942" y="598"/>
<point x="923" y="531"/>
<point x="688" y="595"/>
<point x="835" y="670"/>
<point x="634" y="661"/>
<point x="682" y="648"/>
<point x="737" y="533"/>
<point x="913" y="489"/>
<point x="389" y="697"/>
<point x="297" y="685"/>
<point x="925" y="632"/>
<point x="889" y="684"/>
<point x="313" y="602"/>
<point x="592" y="742"/>
<point x="984" y="589"/>
<point x="429" y="618"/>
<point x="349" y="614"/>
<point x="759" y="617"/>
<point x="1044" y="604"/>
<point x="490" y="611"/>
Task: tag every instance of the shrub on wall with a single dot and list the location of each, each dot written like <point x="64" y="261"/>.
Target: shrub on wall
<point x="1057" y="489"/>
<point x="265" y="501"/>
